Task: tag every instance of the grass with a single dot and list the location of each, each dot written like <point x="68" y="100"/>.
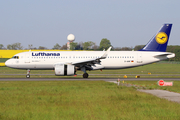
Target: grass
<point x="74" y="100"/>
<point x="3" y="59"/>
<point x="71" y="100"/>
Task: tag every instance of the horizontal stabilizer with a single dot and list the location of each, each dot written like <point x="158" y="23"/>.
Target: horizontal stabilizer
<point x="167" y="55"/>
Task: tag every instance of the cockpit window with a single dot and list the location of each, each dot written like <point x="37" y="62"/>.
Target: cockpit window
<point x="15" y="57"/>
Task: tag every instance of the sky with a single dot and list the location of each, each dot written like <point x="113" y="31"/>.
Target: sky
<point x="126" y="23"/>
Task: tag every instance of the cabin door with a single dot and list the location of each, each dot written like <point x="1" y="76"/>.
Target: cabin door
<point x="139" y="58"/>
<point x="27" y="57"/>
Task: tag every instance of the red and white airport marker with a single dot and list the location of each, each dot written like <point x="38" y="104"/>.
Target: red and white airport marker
<point x="162" y="83"/>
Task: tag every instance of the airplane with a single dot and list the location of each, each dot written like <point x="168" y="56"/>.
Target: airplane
<point x="68" y="62"/>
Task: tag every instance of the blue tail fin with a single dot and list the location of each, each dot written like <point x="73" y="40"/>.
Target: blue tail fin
<point x="160" y="40"/>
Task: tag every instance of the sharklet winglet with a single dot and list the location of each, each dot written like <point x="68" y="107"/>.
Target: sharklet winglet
<point x="106" y="53"/>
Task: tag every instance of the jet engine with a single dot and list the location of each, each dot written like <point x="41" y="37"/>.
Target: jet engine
<point x="64" y="69"/>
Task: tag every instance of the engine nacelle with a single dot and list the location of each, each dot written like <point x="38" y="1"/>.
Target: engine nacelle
<point x="63" y="69"/>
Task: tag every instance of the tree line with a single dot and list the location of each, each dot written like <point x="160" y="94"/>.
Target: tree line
<point x="104" y="45"/>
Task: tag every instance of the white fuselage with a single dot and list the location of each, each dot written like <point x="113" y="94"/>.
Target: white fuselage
<point x="114" y="60"/>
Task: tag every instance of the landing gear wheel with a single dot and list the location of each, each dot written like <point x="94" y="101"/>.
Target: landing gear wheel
<point x="28" y="76"/>
<point x="28" y="73"/>
<point x="85" y="75"/>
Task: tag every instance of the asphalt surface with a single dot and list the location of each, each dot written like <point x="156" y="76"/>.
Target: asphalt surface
<point x="171" y="96"/>
<point x="99" y="74"/>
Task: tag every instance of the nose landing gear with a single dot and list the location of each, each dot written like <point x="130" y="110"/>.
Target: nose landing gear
<point x="28" y="73"/>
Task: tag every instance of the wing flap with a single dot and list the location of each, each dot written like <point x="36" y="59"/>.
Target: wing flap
<point x="83" y="62"/>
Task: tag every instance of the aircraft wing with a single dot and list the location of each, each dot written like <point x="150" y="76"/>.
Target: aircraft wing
<point x="91" y="62"/>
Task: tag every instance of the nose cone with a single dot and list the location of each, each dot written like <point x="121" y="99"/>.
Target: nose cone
<point x="8" y="63"/>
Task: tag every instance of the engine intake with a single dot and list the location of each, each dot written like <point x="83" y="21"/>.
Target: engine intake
<point x="63" y="69"/>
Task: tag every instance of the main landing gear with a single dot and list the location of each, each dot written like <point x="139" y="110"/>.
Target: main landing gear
<point x="85" y="75"/>
<point x="28" y="73"/>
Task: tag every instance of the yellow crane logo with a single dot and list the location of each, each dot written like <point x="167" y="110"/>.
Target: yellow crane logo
<point x="161" y="37"/>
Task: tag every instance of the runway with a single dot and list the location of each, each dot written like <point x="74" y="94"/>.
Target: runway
<point x="88" y="79"/>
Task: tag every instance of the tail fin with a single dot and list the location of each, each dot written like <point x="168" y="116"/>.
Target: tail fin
<point x="160" y="40"/>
